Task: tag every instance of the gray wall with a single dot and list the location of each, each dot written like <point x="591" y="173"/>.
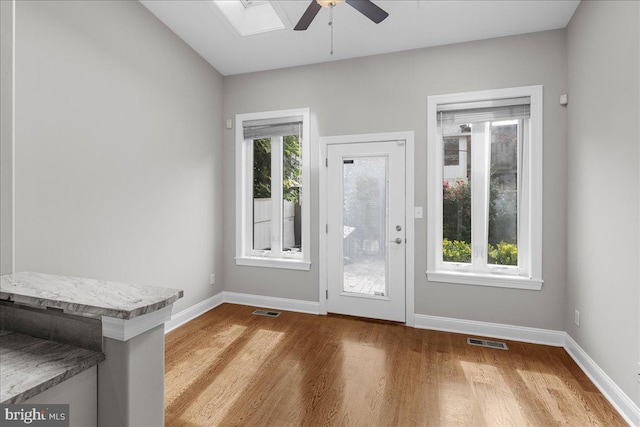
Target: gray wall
<point x="118" y="148"/>
<point x="6" y="137"/>
<point x="387" y="93"/>
<point x="603" y="183"/>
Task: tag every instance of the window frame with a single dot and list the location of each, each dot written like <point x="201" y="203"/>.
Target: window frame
<point x="528" y="275"/>
<point x="245" y="254"/>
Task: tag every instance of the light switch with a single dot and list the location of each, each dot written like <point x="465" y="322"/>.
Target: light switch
<point x="418" y="212"/>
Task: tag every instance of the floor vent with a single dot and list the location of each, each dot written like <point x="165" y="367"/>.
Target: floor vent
<point x="485" y="343"/>
<point x="267" y="313"/>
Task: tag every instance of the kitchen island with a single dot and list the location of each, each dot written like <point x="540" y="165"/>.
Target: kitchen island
<point x="121" y="322"/>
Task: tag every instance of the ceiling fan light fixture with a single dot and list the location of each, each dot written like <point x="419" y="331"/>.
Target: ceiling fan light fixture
<point x="329" y="3"/>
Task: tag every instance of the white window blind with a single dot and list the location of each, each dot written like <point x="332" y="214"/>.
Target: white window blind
<point x="484" y="111"/>
<point x="272" y="128"/>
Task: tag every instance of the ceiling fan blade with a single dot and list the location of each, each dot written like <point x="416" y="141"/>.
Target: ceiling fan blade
<point x="308" y="16"/>
<point x="369" y="10"/>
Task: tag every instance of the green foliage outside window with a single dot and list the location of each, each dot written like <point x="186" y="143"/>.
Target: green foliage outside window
<point x="262" y="168"/>
<point x="500" y="254"/>
<point x="292" y="165"/>
<point x="503" y="254"/>
<point x="292" y="168"/>
<point x="456" y="211"/>
<point x="456" y="251"/>
<point x="456" y="227"/>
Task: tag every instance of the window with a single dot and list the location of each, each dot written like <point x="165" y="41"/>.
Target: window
<point x="485" y="188"/>
<point x="272" y="200"/>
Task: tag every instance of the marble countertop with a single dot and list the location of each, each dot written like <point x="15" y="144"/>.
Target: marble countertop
<point x="33" y="365"/>
<point x="90" y="296"/>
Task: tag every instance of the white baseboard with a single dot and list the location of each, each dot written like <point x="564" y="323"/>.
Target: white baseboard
<point x="310" y="307"/>
<point x="623" y="403"/>
<point x="202" y="307"/>
<point x="493" y="330"/>
<point x="192" y="312"/>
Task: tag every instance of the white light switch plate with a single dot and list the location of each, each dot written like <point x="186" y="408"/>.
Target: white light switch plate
<point x="418" y="212"/>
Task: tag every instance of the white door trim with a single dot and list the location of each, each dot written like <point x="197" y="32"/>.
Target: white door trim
<point x="408" y="137"/>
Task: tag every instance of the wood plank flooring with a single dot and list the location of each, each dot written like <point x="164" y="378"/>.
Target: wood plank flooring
<point x="231" y="368"/>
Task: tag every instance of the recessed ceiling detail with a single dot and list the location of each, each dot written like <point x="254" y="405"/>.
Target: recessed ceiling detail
<point x="249" y="3"/>
<point x="250" y="17"/>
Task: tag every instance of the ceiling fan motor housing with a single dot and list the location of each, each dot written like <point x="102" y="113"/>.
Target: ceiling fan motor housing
<point x="366" y="7"/>
<point x="329" y="3"/>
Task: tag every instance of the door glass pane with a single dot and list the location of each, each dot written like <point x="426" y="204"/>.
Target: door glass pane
<point x="365" y="225"/>
<point x="503" y="194"/>
<point x="291" y="193"/>
<point x="456" y="194"/>
<point x="262" y="210"/>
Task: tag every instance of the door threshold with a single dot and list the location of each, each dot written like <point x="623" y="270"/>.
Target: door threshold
<point x="368" y="319"/>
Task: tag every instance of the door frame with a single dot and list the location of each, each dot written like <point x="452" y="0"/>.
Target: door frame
<point x="408" y="138"/>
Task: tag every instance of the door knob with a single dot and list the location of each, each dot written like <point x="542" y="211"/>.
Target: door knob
<point x="398" y="240"/>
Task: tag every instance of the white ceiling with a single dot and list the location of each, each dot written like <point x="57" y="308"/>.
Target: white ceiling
<point x="411" y="24"/>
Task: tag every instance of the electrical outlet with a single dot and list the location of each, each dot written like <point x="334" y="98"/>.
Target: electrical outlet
<point x="576" y="318"/>
<point x="212" y="279"/>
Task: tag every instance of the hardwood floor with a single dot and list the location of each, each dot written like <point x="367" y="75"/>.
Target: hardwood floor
<point x="229" y="367"/>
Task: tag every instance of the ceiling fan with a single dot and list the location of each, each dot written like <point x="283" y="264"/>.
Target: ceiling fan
<point x="365" y="7"/>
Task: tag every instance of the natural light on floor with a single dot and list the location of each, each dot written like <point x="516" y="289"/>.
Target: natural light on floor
<point x="494" y="401"/>
<point x="363" y="376"/>
<point x="191" y="369"/>
<point x="550" y="387"/>
<point x="219" y="396"/>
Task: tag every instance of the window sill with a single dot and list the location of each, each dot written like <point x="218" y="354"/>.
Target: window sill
<point x="493" y="280"/>
<point x="284" y="263"/>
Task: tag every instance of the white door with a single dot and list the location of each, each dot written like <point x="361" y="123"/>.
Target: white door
<point x="366" y="244"/>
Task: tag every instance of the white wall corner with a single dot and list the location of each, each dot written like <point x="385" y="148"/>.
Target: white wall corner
<point x="192" y="312"/>
<point x="614" y="394"/>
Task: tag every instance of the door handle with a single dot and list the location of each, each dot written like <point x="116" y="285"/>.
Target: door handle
<point x="398" y="240"/>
